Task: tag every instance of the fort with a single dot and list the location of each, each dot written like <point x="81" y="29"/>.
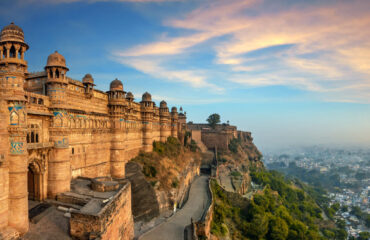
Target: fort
<point x="54" y="129"/>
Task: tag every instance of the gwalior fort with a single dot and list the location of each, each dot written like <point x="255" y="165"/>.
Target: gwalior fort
<point x="55" y="129"/>
<point x="80" y="163"/>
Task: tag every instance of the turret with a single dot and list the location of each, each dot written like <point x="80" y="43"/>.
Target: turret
<point x="59" y="174"/>
<point x="147" y="118"/>
<point x="164" y="115"/>
<point x="117" y="104"/>
<point x="57" y="81"/>
<point x="88" y="82"/>
<point x="13" y="120"/>
<point x="174" y="121"/>
<point x="117" y="99"/>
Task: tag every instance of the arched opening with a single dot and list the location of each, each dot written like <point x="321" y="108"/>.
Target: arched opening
<point x="31" y="183"/>
<point x="35" y="181"/>
<point x="57" y="73"/>
<point x="32" y="137"/>
<point x="28" y="138"/>
<point x="14" y="118"/>
<point x="12" y="52"/>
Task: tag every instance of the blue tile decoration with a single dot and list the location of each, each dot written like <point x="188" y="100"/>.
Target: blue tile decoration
<point x="16" y="147"/>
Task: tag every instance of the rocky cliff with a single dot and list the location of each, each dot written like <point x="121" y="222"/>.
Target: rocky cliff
<point x="234" y="164"/>
<point x="160" y="180"/>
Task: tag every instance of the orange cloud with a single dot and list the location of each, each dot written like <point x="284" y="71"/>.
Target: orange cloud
<point x="329" y="42"/>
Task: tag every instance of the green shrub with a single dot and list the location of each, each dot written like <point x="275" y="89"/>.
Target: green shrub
<point x="234" y="144"/>
<point x="175" y="183"/>
<point x="236" y="174"/>
<point x="149" y="171"/>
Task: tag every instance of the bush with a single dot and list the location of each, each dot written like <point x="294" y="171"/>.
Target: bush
<point x="149" y="171"/>
<point x="175" y="183"/>
<point x="193" y="146"/>
<point x="234" y="144"/>
<point x="236" y="174"/>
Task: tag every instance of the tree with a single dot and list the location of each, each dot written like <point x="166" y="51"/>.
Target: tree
<point x="278" y="229"/>
<point x="364" y="236"/>
<point x="258" y="227"/>
<point x="213" y="120"/>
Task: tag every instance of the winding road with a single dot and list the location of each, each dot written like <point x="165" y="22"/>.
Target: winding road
<point x="173" y="228"/>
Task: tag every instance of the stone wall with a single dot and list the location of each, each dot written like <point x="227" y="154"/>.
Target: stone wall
<point x="114" y="221"/>
<point x="213" y="138"/>
<point x="203" y="227"/>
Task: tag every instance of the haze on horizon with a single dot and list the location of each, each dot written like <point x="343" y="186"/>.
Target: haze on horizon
<point x="292" y="72"/>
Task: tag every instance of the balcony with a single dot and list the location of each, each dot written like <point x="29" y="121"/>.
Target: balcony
<point x="32" y="146"/>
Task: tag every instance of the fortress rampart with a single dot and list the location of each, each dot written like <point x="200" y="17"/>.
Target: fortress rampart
<point x="54" y="129"/>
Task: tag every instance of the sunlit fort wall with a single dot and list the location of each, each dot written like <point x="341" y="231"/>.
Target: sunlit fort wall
<point x="54" y="128"/>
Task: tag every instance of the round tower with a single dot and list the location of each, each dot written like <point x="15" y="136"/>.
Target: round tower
<point x="117" y="109"/>
<point x="164" y="119"/>
<point x="59" y="174"/>
<point x="174" y="121"/>
<point x="57" y="81"/>
<point x="88" y="82"/>
<point x="147" y="110"/>
<point x="13" y="144"/>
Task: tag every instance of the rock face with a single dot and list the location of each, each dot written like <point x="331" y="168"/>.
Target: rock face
<point x="144" y="199"/>
<point x="149" y="201"/>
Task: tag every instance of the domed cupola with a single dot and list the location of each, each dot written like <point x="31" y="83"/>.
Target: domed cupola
<point x="88" y="82"/>
<point x="146" y="97"/>
<point x="163" y="104"/>
<point x="130" y="96"/>
<point x="88" y="79"/>
<point x="56" y="68"/>
<point x="12" y="33"/>
<point x="174" y="109"/>
<point x="116" y="85"/>
<point x="12" y="45"/>
<point x="56" y="60"/>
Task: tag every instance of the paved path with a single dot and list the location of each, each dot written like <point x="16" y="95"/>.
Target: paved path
<point x="173" y="228"/>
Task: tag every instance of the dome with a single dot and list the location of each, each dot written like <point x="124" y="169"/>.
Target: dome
<point x="174" y="109"/>
<point x="116" y="85"/>
<point x="147" y="97"/>
<point x="163" y="104"/>
<point x="56" y="60"/>
<point x="129" y="95"/>
<point x="12" y="33"/>
<point x="88" y="79"/>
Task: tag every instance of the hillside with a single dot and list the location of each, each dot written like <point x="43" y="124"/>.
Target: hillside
<point x="160" y="179"/>
<point x="280" y="210"/>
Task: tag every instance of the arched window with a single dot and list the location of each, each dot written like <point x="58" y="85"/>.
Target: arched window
<point x="32" y="137"/>
<point x="57" y="73"/>
<point x="73" y="151"/>
<point x="28" y="137"/>
<point x="37" y="137"/>
<point x="14" y="119"/>
<point x="12" y="52"/>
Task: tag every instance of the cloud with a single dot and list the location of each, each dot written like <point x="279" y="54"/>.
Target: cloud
<point x="93" y="1"/>
<point x="154" y="68"/>
<point x="329" y="44"/>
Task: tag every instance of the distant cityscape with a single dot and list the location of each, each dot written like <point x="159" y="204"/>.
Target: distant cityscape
<point x="344" y="174"/>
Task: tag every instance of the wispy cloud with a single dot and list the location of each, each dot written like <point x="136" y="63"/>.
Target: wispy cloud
<point x="330" y="49"/>
<point x="155" y="69"/>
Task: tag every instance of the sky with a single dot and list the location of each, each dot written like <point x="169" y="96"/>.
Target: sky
<point x="292" y="72"/>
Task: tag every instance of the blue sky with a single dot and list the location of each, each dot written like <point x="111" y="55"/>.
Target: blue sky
<point x="291" y="72"/>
